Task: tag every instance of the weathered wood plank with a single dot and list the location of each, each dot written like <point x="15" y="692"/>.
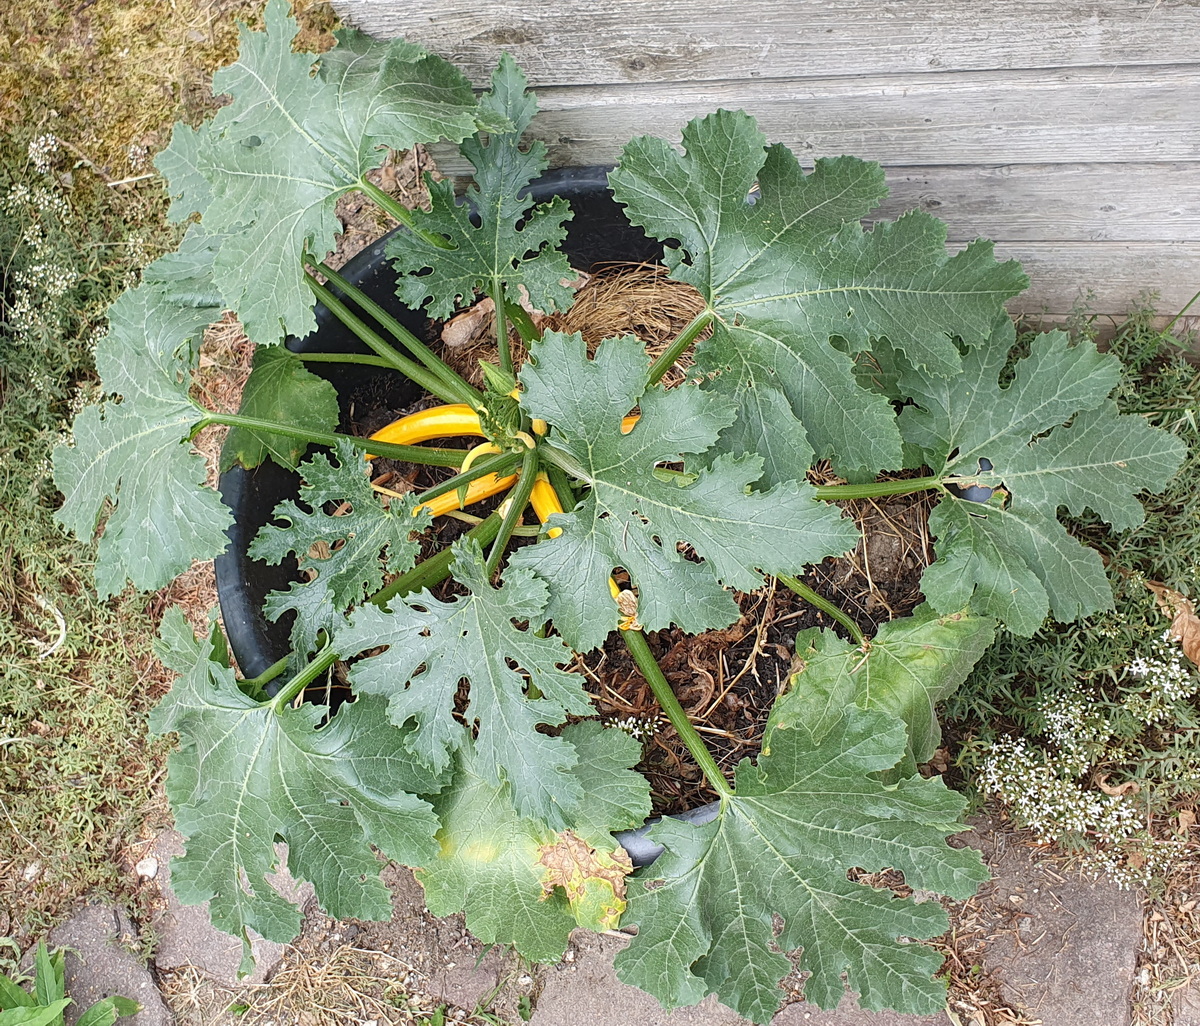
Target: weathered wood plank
<point x="1059" y="202"/>
<point x="1115" y="274"/>
<point x="967" y="118"/>
<point x="564" y="42"/>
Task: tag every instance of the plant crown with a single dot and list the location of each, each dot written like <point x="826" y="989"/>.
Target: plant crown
<point x="505" y="800"/>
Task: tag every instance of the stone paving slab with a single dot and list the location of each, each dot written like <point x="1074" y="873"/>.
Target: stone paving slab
<point x="186" y="936"/>
<point x="1063" y="948"/>
<point x="99" y="965"/>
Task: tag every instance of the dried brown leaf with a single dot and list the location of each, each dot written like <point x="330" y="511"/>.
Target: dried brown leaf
<point x="1185" y="625"/>
<point x="1117" y="790"/>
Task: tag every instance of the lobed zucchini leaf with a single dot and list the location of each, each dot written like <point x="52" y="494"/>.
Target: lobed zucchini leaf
<point x="634" y="519"/>
<point x="519" y="881"/>
<point x="349" y="548"/>
<point x="793" y="270"/>
<point x="282" y="390"/>
<point x="807" y="813"/>
<point x="497" y="236"/>
<point x="476" y="639"/>
<point x="246" y="773"/>
<point x="911" y="664"/>
<point x="134" y="452"/>
<point x="1051" y="438"/>
<point x="265" y="173"/>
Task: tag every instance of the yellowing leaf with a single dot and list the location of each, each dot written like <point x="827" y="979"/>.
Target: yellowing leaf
<point x="518" y="881"/>
<point x="594" y="881"/>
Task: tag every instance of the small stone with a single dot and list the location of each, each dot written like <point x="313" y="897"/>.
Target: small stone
<point x="147" y="868"/>
<point x="31" y="872"/>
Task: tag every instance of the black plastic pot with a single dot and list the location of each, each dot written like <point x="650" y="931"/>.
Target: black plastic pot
<point x="599" y="232"/>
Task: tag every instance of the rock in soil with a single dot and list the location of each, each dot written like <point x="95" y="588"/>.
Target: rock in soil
<point x="99" y="965"/>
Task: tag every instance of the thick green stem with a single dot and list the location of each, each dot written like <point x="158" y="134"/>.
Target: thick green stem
<point x="874" y="489"/>
<point x="409" y="453"/>
<point x="562" y="487"/>
<point x="823" y="604"/>
<point x="323" y="661"/>
<point x="522" y="322"/>
<point x="518" y="499"/>
<point x="268" y="675"/>
<point x="409" y="368"/>
<point x="437" y="567"/>
<point x="502" y="344"/>
<point x="638" y="648"/>
<point x="495" y="465"/>
<point x="685" y="338"/>
<point x="392" y="206"/>
<point x="358" y="358"/>
<point x="401" y="334"/>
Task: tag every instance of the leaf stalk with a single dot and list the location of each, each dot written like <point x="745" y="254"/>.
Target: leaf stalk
<point x="466" y="393"/>
<point x="823" y="604"/>
<point x="875" y="489"/>
<point x="685" y="338"/>
<point x="409" y="368"/>
<point x="323" y="661"/>
<point x="436" y="568"/>
<point x="393" y="207"/>
<point x="518" y="499"/>
<point x="409" y="453"/>
<point x="635" y="641"/>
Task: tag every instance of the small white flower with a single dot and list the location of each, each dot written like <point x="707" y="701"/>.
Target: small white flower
<point x="42" y="151"/>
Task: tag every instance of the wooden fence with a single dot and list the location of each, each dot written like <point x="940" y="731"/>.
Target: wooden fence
<point x="1069" y="132"/>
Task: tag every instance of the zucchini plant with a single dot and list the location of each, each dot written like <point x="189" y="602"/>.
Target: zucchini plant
<point x="468" y="752"/>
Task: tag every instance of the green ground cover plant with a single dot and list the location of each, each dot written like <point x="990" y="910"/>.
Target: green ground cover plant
<point x="1089" y="731"/>
<point x="78" y="674"/>
<point x="467" y="752"/>
<point x="84" y="92"/>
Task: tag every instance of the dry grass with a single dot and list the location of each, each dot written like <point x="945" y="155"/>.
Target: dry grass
<point x="318" y="985"/>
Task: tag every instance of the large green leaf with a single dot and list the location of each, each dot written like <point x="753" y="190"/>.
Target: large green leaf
<point x="1050" y="438"/>
<point x="909" y="666"/>
<point x="513" y="242"/>
<point x="266" y="172"/>
<point x="282" y="390"/>
<point x="343" y="534"/>
<point x="134" y="453"/>
<point x="519" y="881"/>
<point x="794" y="269"/>
<point x="246" y="773"/>
<point x="475" y="639"/>
<point x="780" y="849"/>
<point x="633" y="518"/>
